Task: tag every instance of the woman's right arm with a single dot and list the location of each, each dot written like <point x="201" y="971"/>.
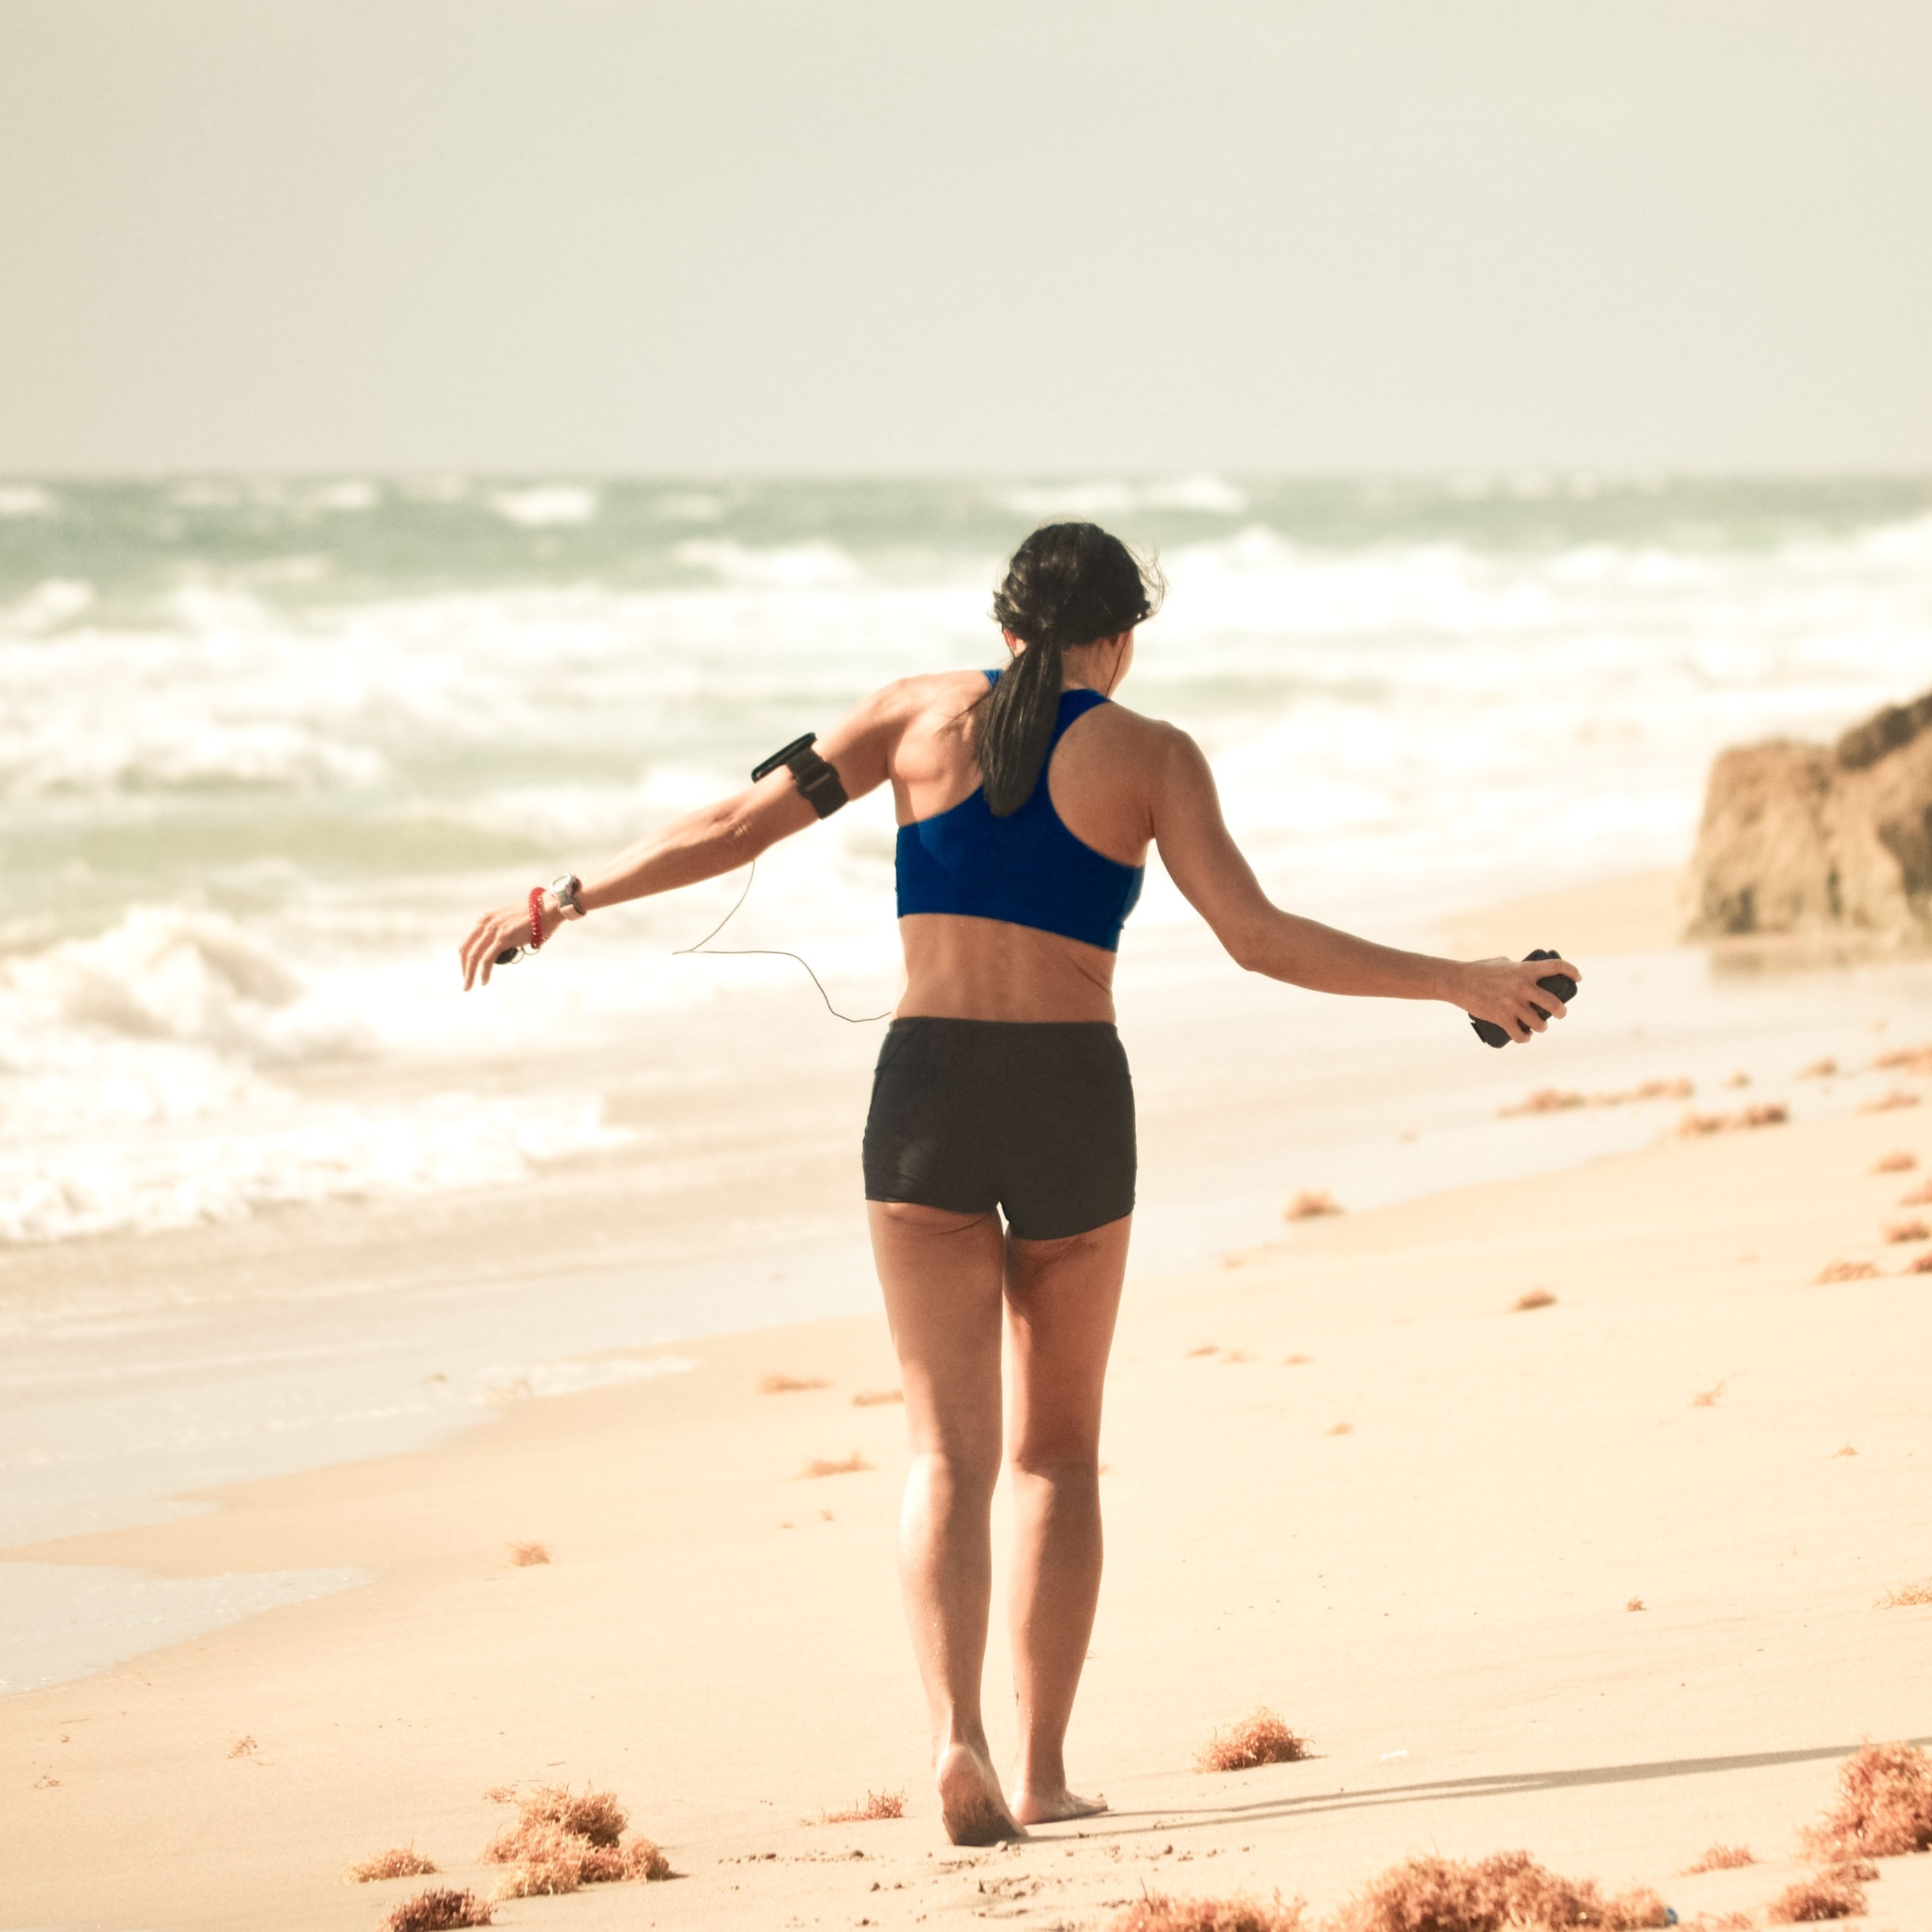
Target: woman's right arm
<point x="714" y="839"/>
<point x="1203" y="861"/>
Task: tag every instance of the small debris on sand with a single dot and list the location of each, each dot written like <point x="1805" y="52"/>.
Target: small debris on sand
<point x="1920" y="1264"/>
<point x="1822" y="1896"/>
<point x="1740" y="1078"/>
<point x="1509" y="1889"/>
<point x="1921" y="1196"/>
<point x="819" y="1466"/>
<point x="1206" y="1348"/>
<point x="1156" y="1912"/>
<point x="1237" y="1355"/>
<point x="1261" y="1738"/>
<point x="1721" y="1858"/>
<point x="1536" y="1297"/>
<point x="1884" y="1809"/>
<point x="1896" y="1099"/>
<point x="876" y="1398"/>
<point x="1907" y="1059"/>
<point x="1846" y="1450"/>
<point x="1544" y="1100"/>
<point x="1296" y="1361"/>
<point x="400" y="1861"/>
<point x="437" y="1910"/>
<point x="243" y="1746"/>
<point x="1899" y="1161"/>
<point x="790" y="1385"/>
<point x="522" y="1554"/>
<point x="1819" y="1069"/>
<point x="1845" y="1271"/>
<point x="1913" y="1230"/>
<point x="878" y="1804"/>
<point x="1309" y="1204"/>
<point x="1635" y="1603"/>
<point x="1766" y="1114"/>
<point x="1343" y="1428"/>
<point x="1708" y="1398"/>
<point x="1905" y="1596"/>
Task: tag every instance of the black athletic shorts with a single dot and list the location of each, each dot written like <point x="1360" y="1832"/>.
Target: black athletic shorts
<point x="1036" y="1117"/>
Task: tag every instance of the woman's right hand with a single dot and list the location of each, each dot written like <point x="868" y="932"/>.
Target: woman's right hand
<point x="504" y="930"/>
<point x="1505" y="992"/>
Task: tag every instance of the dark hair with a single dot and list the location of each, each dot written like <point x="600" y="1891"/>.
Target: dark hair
<point x="1069" y="584"/>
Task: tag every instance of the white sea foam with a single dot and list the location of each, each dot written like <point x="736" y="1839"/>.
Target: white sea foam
<point x="547" y="505"/>
<point x="27" y="500"/>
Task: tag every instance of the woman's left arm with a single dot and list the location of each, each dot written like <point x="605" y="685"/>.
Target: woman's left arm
<point x="714" y="839"/>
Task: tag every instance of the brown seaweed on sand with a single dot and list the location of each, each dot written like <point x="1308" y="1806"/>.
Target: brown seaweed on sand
<point x="1845" y="1271"/>
<point x="1261" y="1738"/>
<point x="1905" y="1596"/>
<point x="819" y="1465"/>
<point x="1920" y="1264"/>
<point x="790" y="1385"/>
<point x="1767" y="1113"/>
<point x="523" y="1555"/>
<point x="1913" y="1230"/>
<point x="438" y="1909"/>
<point x="1897" y="1098"/>
<point x="1494" y="1894"/>
<point x="876" y="1398"/>
<point x="1721" y="1858"/>
<point x="1899" y="1161"/>
<point x="1824" y="1895"/>
<point x="1534" y="1298"/>
<point x="399" y="1862"/>
<point x="1156" y="1912"/>
<point x="1309" y="1204"/>
<point x="1884" y="1808"/>
<point x="562" y="1840"/>
<point x="878" y="1804"/>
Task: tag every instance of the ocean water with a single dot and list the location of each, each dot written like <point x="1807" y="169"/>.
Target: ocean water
<point x="266" y="747"/>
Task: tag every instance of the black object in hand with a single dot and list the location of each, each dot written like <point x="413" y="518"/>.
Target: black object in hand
<point x="511" y="952"/>
<point x="1561" y="984"/>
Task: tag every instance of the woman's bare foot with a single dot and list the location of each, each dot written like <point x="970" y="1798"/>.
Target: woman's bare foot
<point x="970" y="1799"/>
<point x="1047" y="1807"/>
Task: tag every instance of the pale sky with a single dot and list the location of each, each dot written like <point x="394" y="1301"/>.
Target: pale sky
<point x="1063" y="235"/>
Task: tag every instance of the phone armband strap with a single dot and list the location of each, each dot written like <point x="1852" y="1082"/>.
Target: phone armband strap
<point x="815" y="779"/>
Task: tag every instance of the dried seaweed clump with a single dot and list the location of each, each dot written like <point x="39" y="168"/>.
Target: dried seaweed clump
<point x="1900" y="1160"/>
<point x="1920" y="1264"/>
<point x="399" y="1862"/>
<point x="1544" y="1100"/>
<point x="1905" y="1595"/>
<point x="1721" y="1858"/>
<point x="522" y="1554"/>
<point x="1896" y="1099"/>
<point x="1844" y="1271"/>
<point x="1827" y="1895"/>
<point x="1155" y="1912"/>
<point x="1913" y="1228"/>
<point x="790" y="1385"/>
<point x="1885" y="1807"/>
<point x="876" y="1398"/>
<point x="1494" y="1895"/>
<point x="437" y="1910"/>
<point x="819" y="1466"/>
<point x="1767" y="1113"/>
<point x="1534" y="1298"/>
<point x="561" y="1841"/>
<point x="878" y="1804"/>
<point x="1310" y="1205"/>
<point x="1261" y="1738"/>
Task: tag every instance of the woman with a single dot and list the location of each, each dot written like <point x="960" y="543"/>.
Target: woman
<point x="1026" y="802"/>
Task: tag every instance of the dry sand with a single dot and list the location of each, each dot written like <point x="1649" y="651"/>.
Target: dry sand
<point x="1436" y="1599"/>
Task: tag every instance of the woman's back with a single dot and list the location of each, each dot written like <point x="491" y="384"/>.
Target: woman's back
<point x="1014" y="917"/>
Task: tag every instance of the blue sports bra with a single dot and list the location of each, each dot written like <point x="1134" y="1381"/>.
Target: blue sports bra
<point x="1027" y="869"/>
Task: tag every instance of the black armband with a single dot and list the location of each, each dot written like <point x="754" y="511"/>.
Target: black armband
<point x="815" y="779"/>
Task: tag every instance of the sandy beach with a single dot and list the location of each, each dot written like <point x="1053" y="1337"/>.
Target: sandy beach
<point x="1348" y="1478"/>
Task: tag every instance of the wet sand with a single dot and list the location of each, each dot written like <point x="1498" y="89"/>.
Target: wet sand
<point x="1437" y="1598"/>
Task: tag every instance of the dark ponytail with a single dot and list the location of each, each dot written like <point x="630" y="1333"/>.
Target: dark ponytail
<point x="1069" y="584"/>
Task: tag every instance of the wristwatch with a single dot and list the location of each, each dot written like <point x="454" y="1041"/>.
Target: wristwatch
<point x="565" y="891"/>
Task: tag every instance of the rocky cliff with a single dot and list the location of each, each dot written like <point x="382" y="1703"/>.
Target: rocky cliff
<point x="1817" y="838"/>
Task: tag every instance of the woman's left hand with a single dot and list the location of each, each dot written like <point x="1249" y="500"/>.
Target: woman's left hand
<point x="498" y="931"/>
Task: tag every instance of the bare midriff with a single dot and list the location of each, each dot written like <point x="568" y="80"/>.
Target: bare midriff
<point x="984" y="969"/>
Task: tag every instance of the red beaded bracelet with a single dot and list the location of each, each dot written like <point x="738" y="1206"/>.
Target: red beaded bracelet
<point x="536" y="917"/>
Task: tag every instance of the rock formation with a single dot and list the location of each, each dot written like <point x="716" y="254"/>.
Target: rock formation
<point x="1818" y="839"/>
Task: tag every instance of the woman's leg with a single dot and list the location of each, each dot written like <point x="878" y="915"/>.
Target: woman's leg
<point x="1062" y="1296"/>
<point x="942" y="1275"/>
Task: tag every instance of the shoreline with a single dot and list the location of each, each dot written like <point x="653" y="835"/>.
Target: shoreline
<point x="1436" y="1597"/>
